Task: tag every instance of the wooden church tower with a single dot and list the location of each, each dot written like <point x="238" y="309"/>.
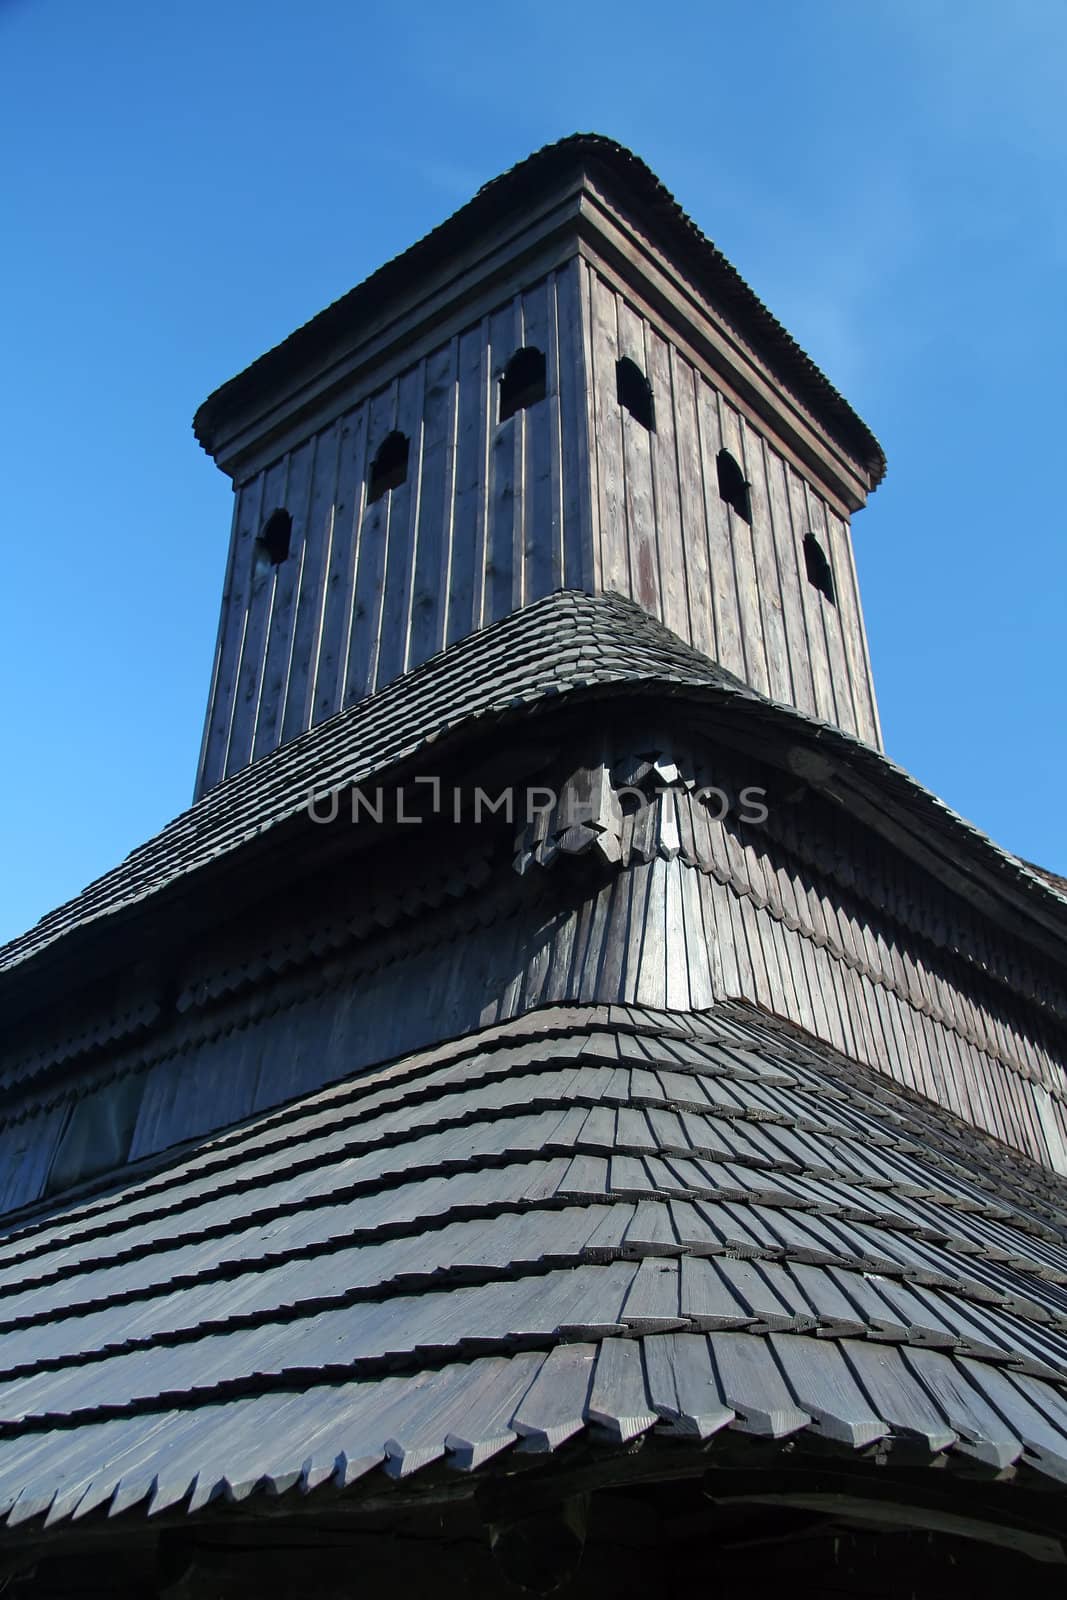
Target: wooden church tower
<point x="561" y="1112"/>
<point x="563" y="398"/>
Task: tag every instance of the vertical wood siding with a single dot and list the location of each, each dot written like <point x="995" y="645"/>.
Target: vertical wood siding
<point x="491" y="516"/>
<point x="736" y="591"/>
<point x="570" y="492"/>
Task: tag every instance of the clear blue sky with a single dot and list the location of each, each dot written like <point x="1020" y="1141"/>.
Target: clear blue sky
<point x="184" y="183"/>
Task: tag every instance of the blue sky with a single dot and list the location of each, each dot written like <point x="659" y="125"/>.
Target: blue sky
<point x="183" y="184"/>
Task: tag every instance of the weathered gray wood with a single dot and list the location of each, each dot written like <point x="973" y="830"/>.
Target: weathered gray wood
<point x="741" y="543"/>
<point x="669" y="529"/>
<point x="539" y="555"/>
<point x="692" y="509"/>
<point x="613" y="569"/>
<point x="504" y="537"/>
<point x="728" y="619"/>
<point x="264" y="580"/>
<point x="790" y="577"/>
<point x="853" y="633"/>
<point x="347" y="535"/>
<point x="640" y="512"/>
<point x="315" y="561"/>
<point x="772" y="620"/>
<point x="812" y="603"/>
<point x="223" y="667"/>
<point x="578" y="487"/>
<point x="278" y="660"/>
<point x="402" y="513"/>
<point x="840" y="672"/>
<point x="435" y="528"/>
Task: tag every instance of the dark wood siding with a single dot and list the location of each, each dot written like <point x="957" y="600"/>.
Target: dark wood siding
<point x="665" y="538"/>
<point x="491" y="516"/>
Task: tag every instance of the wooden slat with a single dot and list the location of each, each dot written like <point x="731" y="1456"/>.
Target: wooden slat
<point x="278" y="661"/>
<point x="779" y="670"/>
<point x="613" y="571"/>
<point x="670" y="530"/>
<point x="853" y="633"/>
<point x="790" y="577"/>
<point x="730" y="650"/>
<point x="348" y="531"/>
<point x="315" y="557"/>
<point x="840" y="671"/>
<point x="504" y="538"/>
<point x="577" y="469"/>
<point x="235" y="601"/>
<point x="741" y="541"/>
<point x="540" y="556"/>
<point x="402" y="509"/>
<point x="811" y="603"/>
<point x="257" y="628"/>
<point x="692" y="509"/>
<point x="349" y="658"/>
<point x="471" y="481"/>
<point x="434" y="528"/>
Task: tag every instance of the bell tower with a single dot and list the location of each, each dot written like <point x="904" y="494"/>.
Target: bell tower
<point x="565" y="385"/>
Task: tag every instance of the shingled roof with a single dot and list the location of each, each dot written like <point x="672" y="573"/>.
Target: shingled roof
<point x="593" y="1223"/>
<point x="650" y="205"/>
<point x="569" y="648"/>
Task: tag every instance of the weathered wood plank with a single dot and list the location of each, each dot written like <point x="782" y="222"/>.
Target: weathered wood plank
<point x="257" y="628"/>
<point x="670" y="536"/>
<point x="278" y="659"/>
<point x="812" y="603"/>
<point x="540" y="554"/>
<point x="729" y="648"/>
<point x="235" y="601"/>
<point x="348" y="531"/>
<point x="350" y="647"/>
<point x="839" y="553"/>
<point x="469" y="510"/>
<point x="741" y="540"/>
<point x="637" y="474"/>
<point x="434" y="528"/>
<point x="578" y="491"/>
<point x="504" y="540"/>
<point x="779" y="669"/>
<point x="401" y="520"/>
<point x="790" y="577"/>
<point x="316" y="555"/>
<point x="613" y="572"/>
<point x="691" y="506"/>
<point x="840" y="671"/>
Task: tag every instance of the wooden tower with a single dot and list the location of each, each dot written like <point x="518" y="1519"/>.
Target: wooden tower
<point x="563" y="387"/>
<point x="561" y="1113"/>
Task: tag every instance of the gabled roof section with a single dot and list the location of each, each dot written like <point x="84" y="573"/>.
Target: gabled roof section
<point x="569" y="648"/>
<point x="652" y="208"/>
<point x="596" y="1221"/>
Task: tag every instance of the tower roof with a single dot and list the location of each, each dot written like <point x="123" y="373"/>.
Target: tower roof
<point x="653" y="210"/>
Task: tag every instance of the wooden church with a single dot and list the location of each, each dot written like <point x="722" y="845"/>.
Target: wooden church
<point x="562" y="1112"/>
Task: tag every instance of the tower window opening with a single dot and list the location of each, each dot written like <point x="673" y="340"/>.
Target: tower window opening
<point x="523" y="382"/>
<point x="390" y="466"/>
<point x="820" y="573"/>
<point x="732" y="486"/>
<point x="635" y="393"/>
<point x="272" y="542"/>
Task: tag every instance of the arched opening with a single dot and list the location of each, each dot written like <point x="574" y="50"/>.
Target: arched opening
<point x="635" y="393"/>
<point x="272" y="542"/>
<point x="523" y="382"/>
<point x="390" y="466"/>
<point x="820" y="572"/>
<point x="732" y="485"/>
